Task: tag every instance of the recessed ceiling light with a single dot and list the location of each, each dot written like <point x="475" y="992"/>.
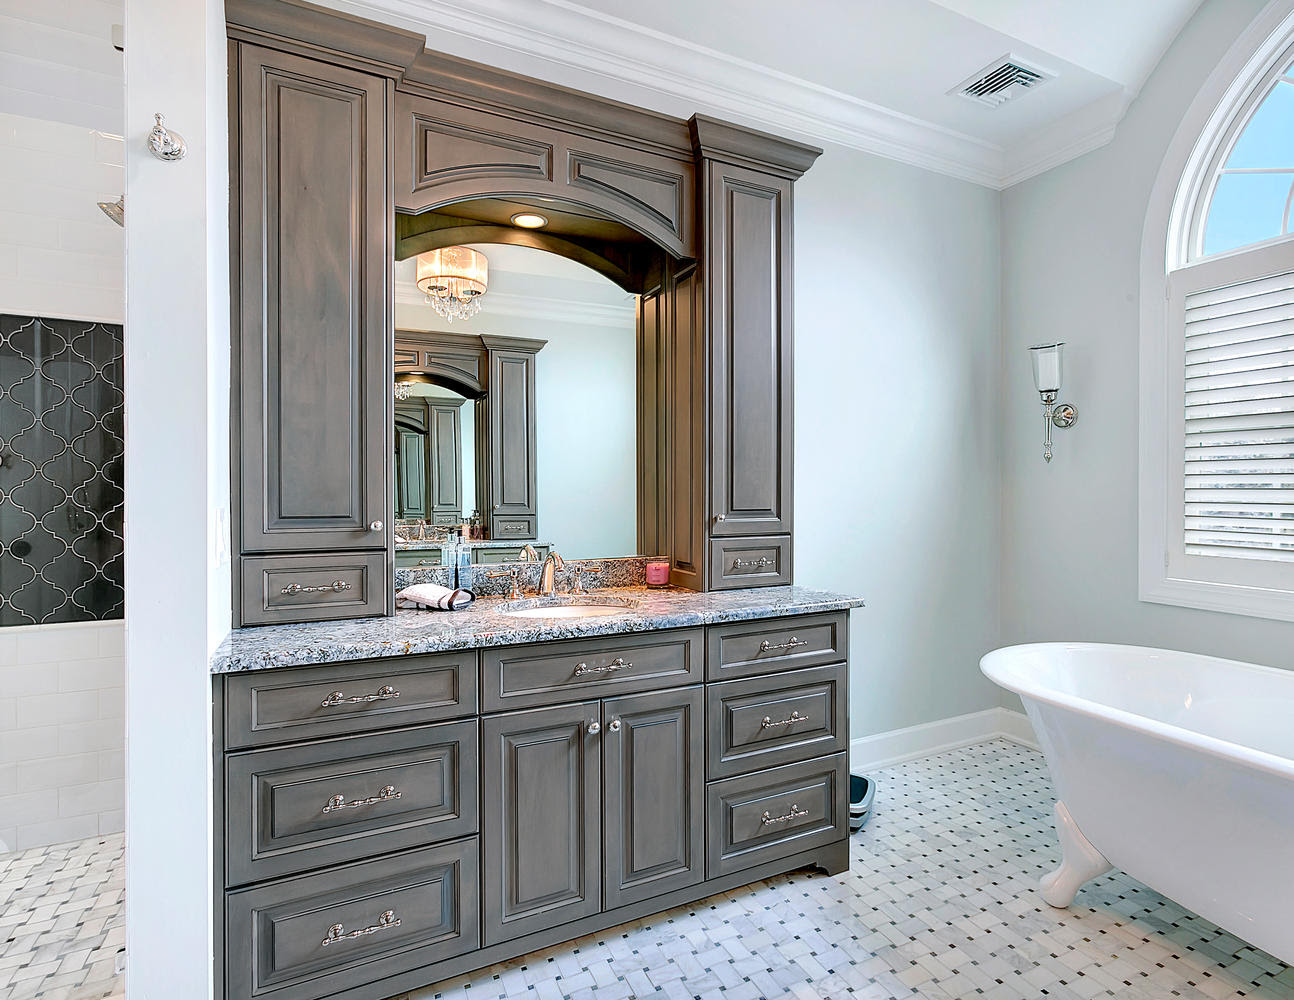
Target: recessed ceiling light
<point x="529" y="220"/>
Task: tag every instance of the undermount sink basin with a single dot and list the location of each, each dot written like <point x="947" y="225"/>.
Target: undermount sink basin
<point x="567" y="607"/>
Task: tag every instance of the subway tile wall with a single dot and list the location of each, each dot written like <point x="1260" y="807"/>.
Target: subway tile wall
<point x="62" y="730"/>
<point x="62" y="733"/>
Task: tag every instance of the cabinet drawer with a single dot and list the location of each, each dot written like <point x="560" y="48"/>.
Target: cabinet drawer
<point x="294" y="808"/>
<point x="418" y="558"/>
<point x="762" y="561"/>
<point x="513" y="526"/>
<point x="765" y="721"/>
<point x="761" y="647"/>
<point x="320" y="935"/>
<point x="302" y="703"/>
<point x="277" y="589"/>
<point x="526" y="676"/>
<point x="772" y="814"/>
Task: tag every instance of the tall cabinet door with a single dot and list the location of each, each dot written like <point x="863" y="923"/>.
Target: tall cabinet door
<point x="314" y="312"/>
<point x="542" y="825"/>
<point x="748" y="304"/>
<point x="512" y="443"/>
<point x="445" y="433"/>
<point x="654" y="761"/>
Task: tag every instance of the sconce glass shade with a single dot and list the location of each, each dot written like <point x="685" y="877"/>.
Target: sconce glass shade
<point x="1047" y="360"/>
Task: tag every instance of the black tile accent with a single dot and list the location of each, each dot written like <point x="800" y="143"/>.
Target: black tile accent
<point x="61" y="443"/>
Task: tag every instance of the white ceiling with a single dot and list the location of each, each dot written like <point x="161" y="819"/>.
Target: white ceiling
<point x="905" y="55"/>
<point x="869" y="74"/>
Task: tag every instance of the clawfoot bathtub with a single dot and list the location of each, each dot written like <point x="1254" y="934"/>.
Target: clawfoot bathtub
<point x="1176" y="768"/>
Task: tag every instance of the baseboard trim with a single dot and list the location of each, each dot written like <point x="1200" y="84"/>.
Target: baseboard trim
<point x="868" y="753"/>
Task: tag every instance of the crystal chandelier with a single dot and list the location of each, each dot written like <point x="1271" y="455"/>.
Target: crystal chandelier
<point x="453" y="279"/>
<point x="403" y="390"/>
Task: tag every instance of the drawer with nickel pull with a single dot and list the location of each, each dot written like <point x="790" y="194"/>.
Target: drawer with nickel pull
<point x="776" y="813"/>
<point x="263" y="707"/>
<point x="293" y="808"/>
<point x="745" y="649"/>
<point x="278" y="589"/>
<point x="320" y="935"/>
<point x="552" y="672"/>
<point x="777" y="719"/>
<point x="758" y="561"/>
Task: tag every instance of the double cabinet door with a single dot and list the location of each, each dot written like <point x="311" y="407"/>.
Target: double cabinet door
<point x="591" y="806"/>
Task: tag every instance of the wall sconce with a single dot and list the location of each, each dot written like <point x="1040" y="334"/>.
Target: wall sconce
<point x="1047" y="362"/>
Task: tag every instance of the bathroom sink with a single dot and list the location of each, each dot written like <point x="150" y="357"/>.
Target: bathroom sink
<point x="567" y="607"/>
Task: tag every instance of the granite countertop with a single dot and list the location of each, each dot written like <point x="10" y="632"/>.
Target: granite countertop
<point x="482" y="624"/>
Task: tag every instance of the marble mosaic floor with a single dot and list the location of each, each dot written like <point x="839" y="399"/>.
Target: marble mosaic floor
<point x="62" y="921"/>
<point x="939" y="903"/>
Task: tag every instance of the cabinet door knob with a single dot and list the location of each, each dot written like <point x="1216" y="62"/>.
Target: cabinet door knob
<point x="720" y="518"/>
<point x="375" y="526"/>
<point x="594" y="728"/>
<point x="613" y="726"/>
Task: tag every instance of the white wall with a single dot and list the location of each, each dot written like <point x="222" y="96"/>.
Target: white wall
<point x="896" y="411"/>
<point x="62" y="732"/>
<point x="585" y="389"/>
<point x="177" y="478"/>
<point x="1072" y="240"/>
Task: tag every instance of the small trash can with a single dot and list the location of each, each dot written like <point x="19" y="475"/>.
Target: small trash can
<point x="862" y="793"/>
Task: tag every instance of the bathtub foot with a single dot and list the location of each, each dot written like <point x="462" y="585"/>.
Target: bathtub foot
<point x="1081" y="861"/>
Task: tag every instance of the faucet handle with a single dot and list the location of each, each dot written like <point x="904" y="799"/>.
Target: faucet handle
<point x="515" y="573"/>
<point x="577" y="576"/>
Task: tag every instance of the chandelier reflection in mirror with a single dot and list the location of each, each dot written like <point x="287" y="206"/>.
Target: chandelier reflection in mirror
<point x="453" y="279"/>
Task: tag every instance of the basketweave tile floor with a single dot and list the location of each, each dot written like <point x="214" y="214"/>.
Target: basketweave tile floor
<point x="62" y="921"/>
<point x="940" y="902"/>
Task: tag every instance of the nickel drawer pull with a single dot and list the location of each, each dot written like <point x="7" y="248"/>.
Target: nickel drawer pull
<point x="385" y="693"/>
<point x="583" y="669"/>
<point x="769" y="820"/>
<point x="768" y="647"/>
<point x="790" y="720"/>
<point x="759" y="563"/>
<point x="338" y="932"/>
<point x="387" y="793"/>
<point x="336" y="587"/>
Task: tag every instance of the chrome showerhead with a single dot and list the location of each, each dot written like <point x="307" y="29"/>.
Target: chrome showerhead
<point x="115" y="210"/>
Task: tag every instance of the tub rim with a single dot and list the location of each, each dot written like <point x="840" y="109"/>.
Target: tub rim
<point x="1189" y="738"/>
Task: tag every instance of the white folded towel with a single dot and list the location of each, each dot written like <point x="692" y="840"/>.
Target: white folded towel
<point x="433" y="595"/>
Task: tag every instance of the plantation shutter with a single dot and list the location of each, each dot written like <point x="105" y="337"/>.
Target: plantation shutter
<point x="1239" y="412"/>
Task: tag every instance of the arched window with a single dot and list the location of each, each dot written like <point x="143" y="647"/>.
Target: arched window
<point x="1248" y="197"/>
<point x="1217" y="478"/>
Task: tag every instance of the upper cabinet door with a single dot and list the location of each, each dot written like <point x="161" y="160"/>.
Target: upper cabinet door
<point x="314" y="316"/>
<point x="512" y="432"/>
<point x="748" y="295"/>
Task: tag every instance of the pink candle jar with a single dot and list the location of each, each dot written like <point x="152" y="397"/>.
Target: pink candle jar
<point x="658" y="574"/>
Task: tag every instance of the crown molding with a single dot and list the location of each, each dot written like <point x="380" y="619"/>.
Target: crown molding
<point x="547" y="309"/>
<point x="557" y="38"/>
<point x="1082" y="131"/>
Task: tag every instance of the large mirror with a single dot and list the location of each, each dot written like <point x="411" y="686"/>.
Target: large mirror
<point x="516" y="408"/>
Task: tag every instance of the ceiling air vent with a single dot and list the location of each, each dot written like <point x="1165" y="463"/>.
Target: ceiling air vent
<point x="1001" y="80"/>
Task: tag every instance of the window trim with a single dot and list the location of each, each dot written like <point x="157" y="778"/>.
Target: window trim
<point x="1173" y="223"/>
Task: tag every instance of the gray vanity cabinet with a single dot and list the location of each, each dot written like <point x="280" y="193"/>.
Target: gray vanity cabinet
<point x="312" y="315"/>
<point x="615" y="776"/>
<point x="542" y="818"/>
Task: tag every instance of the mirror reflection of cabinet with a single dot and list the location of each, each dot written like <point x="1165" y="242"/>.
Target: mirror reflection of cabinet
<point x="429" y="460"/>
<point x="433" y="451"/>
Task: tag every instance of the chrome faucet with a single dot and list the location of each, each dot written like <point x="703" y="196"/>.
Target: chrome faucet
<point x="553" y="564"/>
<point x="528" y="553"/>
